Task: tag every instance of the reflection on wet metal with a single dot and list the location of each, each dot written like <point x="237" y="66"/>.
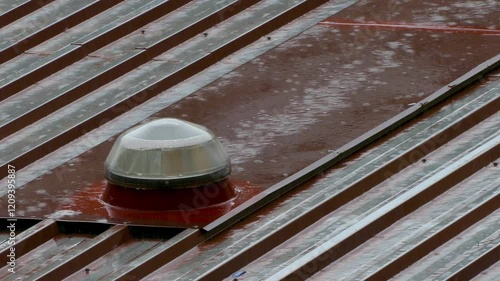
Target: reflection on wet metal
<point x="415" y="27"/>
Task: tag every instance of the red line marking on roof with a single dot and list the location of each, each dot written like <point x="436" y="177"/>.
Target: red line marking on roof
<point x="424" y="27"/>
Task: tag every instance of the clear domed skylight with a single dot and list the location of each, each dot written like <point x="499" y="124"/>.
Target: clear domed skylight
<point x="167" y="153"/>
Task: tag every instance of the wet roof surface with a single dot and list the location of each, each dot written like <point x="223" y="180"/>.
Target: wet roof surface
<point x="300" y="92"/>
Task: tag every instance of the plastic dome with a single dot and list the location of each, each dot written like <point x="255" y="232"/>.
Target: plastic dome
<point x="166" y="153"/>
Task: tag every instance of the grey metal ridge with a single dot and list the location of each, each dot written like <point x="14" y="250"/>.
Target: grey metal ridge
<point x="38" y="68"/>
<point x="421" y="231"/>
<point x="82" y="253"/>
<point x="446" y="233"/>
<point x="397" y="246"/>
<point x="87" y="75"/>
<point x="399" y="208"/>
<point x="298" y="178"/>
<point x="133" y="19"/>
<point x="50" y="249"/>
<point x="480" y="260"/>
<point x="472" y="245"/>
<point x="159" y="256"/>
<point x="46" y="23"/>
<point x="149" y="80"/>
<point x="121" y="19"/>
<point x="30" y="239"/>
<point x="119" y="257"/>
<point x="12" y="10"/>
<point x="491" y="273"/>
<point x="92" y="29"/>
<point x="8" y="6"/>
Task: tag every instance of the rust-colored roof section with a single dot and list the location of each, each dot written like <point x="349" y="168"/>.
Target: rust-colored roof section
<point x="364" y="136"/>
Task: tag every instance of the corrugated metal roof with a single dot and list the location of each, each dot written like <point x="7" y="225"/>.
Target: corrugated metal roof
<point x="406" y="185"/>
